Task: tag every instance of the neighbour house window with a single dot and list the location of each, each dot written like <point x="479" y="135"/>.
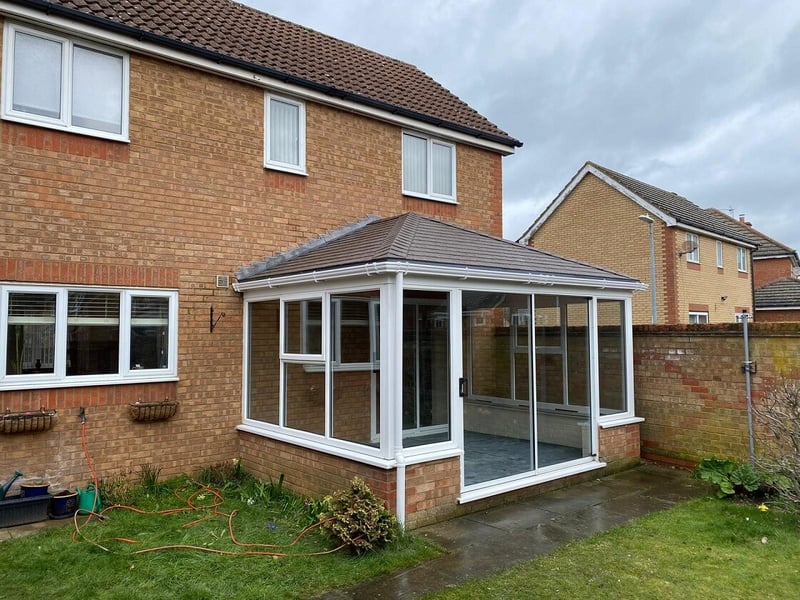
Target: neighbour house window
<point x="692" y="248"/>
<point x="285" y="127"/>
<point x="720" y="257"/>
<point x="698" y="317"/>
<point x="741" y="260"/>
<point x="429" y="167"/>
<point x="64" y="83"/>
<point x="56" y="336"/>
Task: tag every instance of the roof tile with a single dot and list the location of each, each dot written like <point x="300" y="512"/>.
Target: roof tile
<point x="233" y="30"/>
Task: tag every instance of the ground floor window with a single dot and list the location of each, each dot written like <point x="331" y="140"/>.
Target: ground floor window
<point x="698" y="317"/>
<point x="58" y="335"/>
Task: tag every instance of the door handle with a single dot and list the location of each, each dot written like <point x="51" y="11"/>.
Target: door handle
<point x="462" y="387"/>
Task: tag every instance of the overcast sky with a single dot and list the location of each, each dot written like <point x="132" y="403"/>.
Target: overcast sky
<point x="698" y="97"/>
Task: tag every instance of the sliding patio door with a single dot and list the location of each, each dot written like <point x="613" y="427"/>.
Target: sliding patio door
<point x="496" y="388"/>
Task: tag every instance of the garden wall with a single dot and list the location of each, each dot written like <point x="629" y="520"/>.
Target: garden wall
<point x="690" y="385"/>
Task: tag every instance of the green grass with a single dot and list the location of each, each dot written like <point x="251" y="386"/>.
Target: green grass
<point x="51" y="565"/>
<point x="704" y="549"/>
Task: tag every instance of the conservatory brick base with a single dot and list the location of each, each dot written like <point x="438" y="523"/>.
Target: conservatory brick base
<point x="432" y="488"/>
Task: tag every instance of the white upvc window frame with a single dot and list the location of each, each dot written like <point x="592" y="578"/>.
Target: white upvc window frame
<point x="59" y="377"/>
<point x="741" y="259"/>
<point x="64" y="122"/>
<point x="270" y="162"/>
<point x="694" y="255"/>
<point x="698" y="317"/>
<point x="720" y="255"/>
<point x="429" y="194"/>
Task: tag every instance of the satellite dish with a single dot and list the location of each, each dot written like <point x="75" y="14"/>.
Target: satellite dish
<point x="687" y="247"/>
<point x="796" y="272"/>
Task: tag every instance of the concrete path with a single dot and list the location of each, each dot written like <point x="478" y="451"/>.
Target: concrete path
<point x="481" y="544"/>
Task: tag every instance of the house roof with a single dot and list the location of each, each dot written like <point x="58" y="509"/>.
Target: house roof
<point x="767" y="247"/>
<point x="784" y="293"/>
<point x="674" y="209"/>
<point x="416" y="240"/>
<point x="227" y="31"/>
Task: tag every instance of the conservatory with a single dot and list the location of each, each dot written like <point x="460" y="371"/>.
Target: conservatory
<point x="408" y="341"/>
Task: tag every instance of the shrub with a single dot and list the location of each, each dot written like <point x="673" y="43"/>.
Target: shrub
<point x="733" y="477"/>
<point x="358" y="520"/>
<point x="778" y="419"/>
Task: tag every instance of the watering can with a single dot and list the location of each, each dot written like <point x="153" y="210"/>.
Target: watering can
<point x="7" y="485"/>
<point x="89" y="499"/>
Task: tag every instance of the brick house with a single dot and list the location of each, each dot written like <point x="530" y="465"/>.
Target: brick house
<point x="699" y="262"/>
<point x="152" y="153"/>
<point x="776" y="269"/>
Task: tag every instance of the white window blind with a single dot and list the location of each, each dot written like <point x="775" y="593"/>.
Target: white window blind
<point x="97" y="83"/>
<point x="37" y="75"/>
<point x="415" y="164"/>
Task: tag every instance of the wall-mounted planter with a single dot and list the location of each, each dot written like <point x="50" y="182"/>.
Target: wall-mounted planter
<point x="26" y="422"/>
<point x="153" y="411"/>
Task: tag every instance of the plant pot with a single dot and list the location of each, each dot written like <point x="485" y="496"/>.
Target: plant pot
<point x="63" y="504"/>
<point x="19" y="511"/>
<point x="29" y="490"/>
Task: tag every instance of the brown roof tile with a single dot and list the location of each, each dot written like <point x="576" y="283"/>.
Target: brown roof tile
<point x="420" y="240"/>
<point x="302" y="55"/>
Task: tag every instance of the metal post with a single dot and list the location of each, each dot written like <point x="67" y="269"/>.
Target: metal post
<point x="747" y="367"/>
<point x="649" y="220"/>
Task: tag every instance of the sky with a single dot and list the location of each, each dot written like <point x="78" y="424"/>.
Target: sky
<point x="699" y="98"/>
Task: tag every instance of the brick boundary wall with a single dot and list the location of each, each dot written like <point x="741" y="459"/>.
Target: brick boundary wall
<point x="690" y="387"/>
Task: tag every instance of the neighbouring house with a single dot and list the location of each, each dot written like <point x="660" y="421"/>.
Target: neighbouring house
<point x="776" y="269"/>
<point x="150" y="153"/>
<point x="697" y="264"/>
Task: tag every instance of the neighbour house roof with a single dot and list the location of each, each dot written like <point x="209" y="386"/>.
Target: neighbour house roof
<point x="784" y="293"/>
<point x="234" y="34"/>
<point x="767" y="247"/>
<point x="676" y="210"/>
<point x="417" y="241"/>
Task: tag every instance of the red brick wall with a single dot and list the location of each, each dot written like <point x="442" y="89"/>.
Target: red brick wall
<point x="185" y="200"/>
<point x="690" y="387"/>
<point x="767" y="270"/>
<point x="777" y="316"/>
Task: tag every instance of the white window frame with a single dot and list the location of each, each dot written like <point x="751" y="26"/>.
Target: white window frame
<point x="429" y="194"/>
<point x="271" y="163"/>
<point x="59" y="377"/>
<point x="720" y="255"/>
<point x="741" y="259"/>
<point x="694" y="255"/>
<point x="64" y="123"/>
<point x="698" y="317"/>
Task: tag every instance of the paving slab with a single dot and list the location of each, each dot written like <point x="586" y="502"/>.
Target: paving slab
<point x="484" y="543"/>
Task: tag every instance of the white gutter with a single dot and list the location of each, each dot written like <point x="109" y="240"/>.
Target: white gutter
<point x="707" y="233"/>
<point x="456" y="272"/>
<point x="151" y="49"/>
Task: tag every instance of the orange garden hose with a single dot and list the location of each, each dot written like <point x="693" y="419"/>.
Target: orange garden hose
<point x="191" y="505"/>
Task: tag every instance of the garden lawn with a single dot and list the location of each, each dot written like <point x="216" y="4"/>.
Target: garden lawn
<point x="705" y="549"/>
<point x="102" y="564"/>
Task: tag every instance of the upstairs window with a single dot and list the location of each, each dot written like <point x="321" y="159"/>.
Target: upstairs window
<point x="741" y="260"/>
<point x="64" y="83"/>
<point x="429" y="167"/>
<point x="720" y="255"/>
<point x="692" y="248"/>
<point x="285" y="143"/>
<point x="56" y="336"/>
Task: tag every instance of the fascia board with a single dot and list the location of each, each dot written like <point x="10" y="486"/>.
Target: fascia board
<point x="53" y="22"/>
<point x="444" y="271"/>
<point x="709" y="234"/>
<point x="577" y="178"/>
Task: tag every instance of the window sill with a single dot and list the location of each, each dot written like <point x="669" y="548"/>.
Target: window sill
<point x="111" y="137"/>
<point x="286" y="169"/>
<point x="82" y="382"/>
<point x="427" y="197"/>
<point x="610" y="423"/>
